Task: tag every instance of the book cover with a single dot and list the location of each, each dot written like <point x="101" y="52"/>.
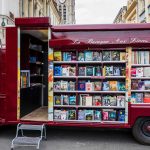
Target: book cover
<point x="106" y="55"/>
<point x="142" y="57"/>
<point x="116" y="71"/>
<point x="122" y="56"/>
<point x="73" y="56"/>
<point x="83" y="99"/>
<point x="98" y="71"/>
<point x="97" y="86"/>
<point x="89" y="115"/>
<point x="141" y="85"/>
<point x="121" y="115"/>
<point x="121" y="101"/>
<point x="139" y="72"/>
<point x="89" y="71"/>
<point x="72" y="115"/>
<point x="97" y="115"/>
<point x="65" y="70"/>
<point x="146" y="71"/>
<point x="134" y="85"/>
<point x="106" y="86"/>
<point x="105" y="115"/>
<point x="89" y="86"/>
<point x="57" y="100"/>
<point x="64" y="115"/>
<point x="109" y="71"/>
<point x="88" y="55"/>
<point x="112" y="115"/>
<point x="57" y="56"/>
<point x="146" y="98"/>
<point x="72" y="100"/>
<point x="113" y="101"/>
<point x="81" y="85"/>
<point x="106" y="100"/>
<point x="121" y="86"/>
<point x="133" y="72"/>
<point x="113" y="85"/>
<point x="139" y="97"/>
<point x="81" y="115"/>
<point x="71" y="86"/>
<point x="146" y="58"/>
<point x="57" y="114"/>
<point x="82" y="71"/>
<point x="67" y="56"/>
<point x="115" y="55"/>
<point x="64" y="85"/>
<point x="72" y="71"/>
<point x="96" y="56"/>
<point x="97" y="100"/>
<point x="88" y="101"/>
<point x="65" y="99"/>
<point x="133" y="98"/>
<point x="81" y="56"/>
<point x="147" y="84"/>
<point x="57" y="71"/>
<point x="122" y="71"/>
<point x="57" y="86"/>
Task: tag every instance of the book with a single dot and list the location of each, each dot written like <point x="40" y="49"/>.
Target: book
<point x="113" y="85"/>
<point x="57" y="71"/>
<point x="66" y="56"/>
<point x="97" y="86"/>
<point x="133" y="98"/>
<point x="89" y="71"/>
<point x="116" y="71"/>
<point x="57" y="56"/>
<point x="139" y="72"/>
<point x="134" y="85"/>
<point x="71" y="86"/>
<point x="122" y="56"/>
<point x="147" y="84"/>
<point x="82" y="71"/>
<point x="97" y="115"/>
<point x="72" y="71"/>
<point x="72" y="100"/>
<point x="64" y="85"/>
<point x="57" y="86"/>
<point x="81" y="115"/>
<point x="105" y="115"/>
<point x="97" y="56"/>
<point x="106" y="55"/>
<point x="65" y="99"/>
<point x="121" y="101"/>
<point x="133" y="72"/>
<point x="121" y="115"/>
<point x="72" y="115"/>
<point x="57" y="100"/>
<point x="146" y="98"/>
<point x="106" y="86"/>
<point x="141" y="85"/>
<point x="64" y="115"/>
<point x="73" y="56"/>
<point x="89" y="115"/>
<point x="57" y="114"/>
<point x="81" y="85"/>
<point x="89" y="86"/>
<point x="121" y="86"/>
<point x="139" y="97"/>
<point x="88" y="100"/>
<point x="98" y="71"/>
<point x="65" y="70"/>
<point x="81" y="56"/>
<point x="106" y="100"/>
<point x="146" y="71"/>
<point x="112" y="115"/>
<point x="122" y="71"/>
<point x="97" y="100"/>
<point x="113" y="101"/>
<point x="88" y="55"/>
<point x="115" y="55"/>
<point x="83" y="99"/>
<point x="109" y="71"/>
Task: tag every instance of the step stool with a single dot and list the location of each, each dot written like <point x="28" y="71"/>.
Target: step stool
<point x="21" y="140"/>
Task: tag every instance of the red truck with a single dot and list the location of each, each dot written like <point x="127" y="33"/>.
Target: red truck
<point x="76" y="75"/>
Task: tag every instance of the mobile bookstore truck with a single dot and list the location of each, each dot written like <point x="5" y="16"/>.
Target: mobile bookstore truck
<point x="77" y="75"/>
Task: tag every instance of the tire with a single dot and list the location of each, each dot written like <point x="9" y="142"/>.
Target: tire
<point x="141" y="132"/>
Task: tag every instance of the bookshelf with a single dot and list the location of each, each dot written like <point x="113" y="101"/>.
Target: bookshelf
<point x="97" y="91"/>
<point x="140" y="76"/>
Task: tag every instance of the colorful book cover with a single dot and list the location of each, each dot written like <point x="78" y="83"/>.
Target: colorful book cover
<point x="105" y="115"/>
<point x="106" y="100"/>
<point x="97" y="115"/>
<point x="134" y="85"/>
<point x="88" y="101"/>
<point x="97" y="100"/>
<point x="139" y="72"/>
<point x="65" y="99"/>
<point x="109" y="71"/>
<point x="57" y="56"/>
<point x="133" y="72"/>
<point x="133" y="98"/>
<point x="81" y="85"/>
<point x="139" y="97"/>
<point x="97" y="86"/>
<point x="71" y="86"/>
<point x="72" y="115"/>
<point x="122" y="56"/>
<point x="146" y="98"/>
<point x="67" y="56"/>
<point x="83" y="99"/>
<point x="113" y="85"/>
<point x="113" y="101"/>
<point x="57" y="100"/>
<point x="106" y="55"/>
<point x="72" y="100"/>
<point x="72" y="71"/>
<point x="57" y="71"/>
<point x="89" y="71"/>
<point x="64" y="115"/>
<point x="106" y="86"/>
<point x="65" y="70"/>
<point x="121" y="101"/>
<point x="146" y="72"/>
<point x="81" y="115"/>
<point x="116" y="71"/>
<point x="141" y="85"/>
<point x="121" y="86"/>
<point x="57" y="114"/>
<point x="82" y="71"/>
<point x="88" y="55"/>
<point x="64" y="85"/>
<point x="96" y="56"/>
<point x="73" y="56"/>
<point x="147" y="84"/>
<point x="89" y="115"/>
<point x="115" y="55"/>
<point x="57" y="86"/>
<point x="112" y="115"/>
<point x="121" y="115"/>
<point x="122" y="71"/>
<point x="98" y="71"/>
<point x="89" y="86"/>
<point x="81" y="56"/>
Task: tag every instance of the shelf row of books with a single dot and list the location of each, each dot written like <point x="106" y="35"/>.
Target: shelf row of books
<point x="89" y="115"/>
<point x="89" y="100"/>
<point x="89" y="86"/>
<point x="140" y="85"/>
<point x="25" y="78"/>
<point x="140" y="72"/>
<point x="141" y="57"/>
<point x="140" y="98"/>
<point x="88" y="55"/>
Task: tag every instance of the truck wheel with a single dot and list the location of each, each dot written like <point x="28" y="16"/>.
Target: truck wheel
<point x="141" y="130"/>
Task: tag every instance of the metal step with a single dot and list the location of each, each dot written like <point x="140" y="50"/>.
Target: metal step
<point x="30" y="127"/>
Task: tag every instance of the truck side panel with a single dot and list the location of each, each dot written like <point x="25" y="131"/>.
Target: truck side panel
<point x="11" y="73"/>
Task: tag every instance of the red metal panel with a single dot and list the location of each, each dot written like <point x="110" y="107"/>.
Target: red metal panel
<point x="33" y="22"/>
<point x="11" y="73"/>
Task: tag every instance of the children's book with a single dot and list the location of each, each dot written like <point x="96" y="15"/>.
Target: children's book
<point x="65" y="99"/>
<point x="139" y="97"/>
<point x="71" y="86"/>
<point x="57" y="86"/>
<point x="89" y="86"/>
<point x="139" y="72"/>
<point x="133" y="98"/>
<point x="121" y="101"/>
<point x="72" y="115"/>
<point x="105" y="115"/>
<point x="57" y="100"/>
<point x="64" y="115"/>
<point x="116" y="71"/>
<point x="81" y="85"/>
<point x="133" y="72"/>
<point x="83" y="99"/>
<point x="89" y="115"/>
<point x="72" y="100"/>
<point x="106" y="100"/>
<point x="88" y="101"/>
<point x="147" y="84"/>
<point x="146" y="98"/>
<point x="97" y="56"/>
<point x="122" y="56"/>
<point x="134" y="85"/>
<point x="82" y="71"/>
<point x="57" y="114"/>
<point x="109" y="71"/>
<point x="97" y="115"/>
<point x="141" y="85"/>
<point x="67" y="56"/>
<point x="57" y="56"/>
<point x="115" y="55"/>
<point x="113" y="101"/>
<point x="73" y="56"/>
<point x="112" y="115"/>
<point x="146" y="72"/>
<point x="121" y="115"/>
<point x="97" y="100"/>
<point x="88" y="55"/>
<point x="98" y="71"/>
<point x="65" y="70"/>
<point x="121" y="86"/>
<point x="81" y="115"/>
<point x="106" y="55"/>
<point x="72" y="71"/>
<point x="97" y="86"/>
<point x="122" y="71"/>
<point x="113" y="85"/>
<point x="81" y="56"/>
<point x="64" y="85"/>
<point x="106" y="86"/>
<point x="57" y="71"/>
<point x="89" y="71"/>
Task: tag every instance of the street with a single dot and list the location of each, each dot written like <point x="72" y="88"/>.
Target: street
<point x="77" y="139"/>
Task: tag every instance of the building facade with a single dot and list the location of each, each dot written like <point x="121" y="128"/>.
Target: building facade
<point x="66" y="9"/>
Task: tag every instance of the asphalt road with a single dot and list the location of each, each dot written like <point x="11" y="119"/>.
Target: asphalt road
<point x="77" y="139"/>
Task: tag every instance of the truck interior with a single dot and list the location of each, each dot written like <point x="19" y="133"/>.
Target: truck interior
<point x="34" y="74"/>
